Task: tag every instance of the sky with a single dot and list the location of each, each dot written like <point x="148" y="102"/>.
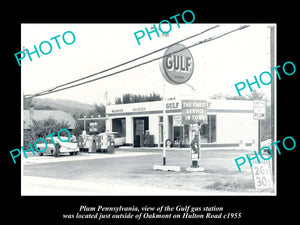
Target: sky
<point x="218" y="65"/>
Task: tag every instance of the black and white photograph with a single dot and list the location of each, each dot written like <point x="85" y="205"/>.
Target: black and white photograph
<point x="162" y="116"/>
<point x="147" y="121"/>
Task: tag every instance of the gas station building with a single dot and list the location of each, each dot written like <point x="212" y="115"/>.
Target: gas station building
<point x="230" y="124"/>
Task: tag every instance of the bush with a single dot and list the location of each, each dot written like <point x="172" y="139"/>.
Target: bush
<point x="42" y="128"/>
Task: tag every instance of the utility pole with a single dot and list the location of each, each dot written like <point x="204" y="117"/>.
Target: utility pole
<point x="164" y="124"/>
<point x="273" y="100"/>
<point x="106" y="98"/>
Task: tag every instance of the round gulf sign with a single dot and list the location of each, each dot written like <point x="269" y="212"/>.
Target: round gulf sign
<point x="177" y="66"/>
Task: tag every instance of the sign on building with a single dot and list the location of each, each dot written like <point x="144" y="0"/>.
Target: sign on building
<point x="194" y="111"/>
<point x="259" y="110"/>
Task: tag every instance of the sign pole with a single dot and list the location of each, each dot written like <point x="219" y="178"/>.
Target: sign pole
<point x="259" y="113"/>
<point x="258" y="135"/>
<point x="195" y="163"/>
<point x="164" y="167"/>
<point x="199" y="135"/>
<point x="273" y="97"/>
<point x="164" y="124"/>
<point x="175" y="77"/>
<point x="84" y="124"/>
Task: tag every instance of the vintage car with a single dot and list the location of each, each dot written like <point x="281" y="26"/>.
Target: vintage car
<point x="61" y="147"/>
<point x="118" y="139"/>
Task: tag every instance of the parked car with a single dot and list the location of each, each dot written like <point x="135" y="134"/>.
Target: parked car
<point x="118" y="139"/>
<point x="62" y="147"/>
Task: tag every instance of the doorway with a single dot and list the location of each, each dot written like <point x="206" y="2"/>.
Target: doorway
<point x="178" y="135"/>
<point x="140" y="125"/>
<point x="119" y="125"/>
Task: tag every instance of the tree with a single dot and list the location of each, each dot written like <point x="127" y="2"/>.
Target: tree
<point x="27" y="103"/>
<point x="134" y="98"/>
<point x="118" y="101"/>
<point x="42" y="128"/>
<point x="234" y="97"/>
<point x="98" y="109"/>
<point x="254" y="95"/>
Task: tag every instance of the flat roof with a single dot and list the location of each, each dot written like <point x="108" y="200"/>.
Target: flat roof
<point x="174" y="107"/>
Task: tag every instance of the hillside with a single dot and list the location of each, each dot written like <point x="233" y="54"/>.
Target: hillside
<point x="70" y="106"/>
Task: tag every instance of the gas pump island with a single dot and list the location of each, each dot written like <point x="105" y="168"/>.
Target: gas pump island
<point x="177" y="67"/>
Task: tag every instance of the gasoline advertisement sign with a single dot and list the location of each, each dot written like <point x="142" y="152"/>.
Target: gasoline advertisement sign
<point x="194" y="111"/>
<point x="261" y="172"/>
<point x="177" y="65"/>
<point x="93" y="127"/>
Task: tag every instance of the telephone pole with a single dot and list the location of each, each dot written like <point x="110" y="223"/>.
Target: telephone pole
<point x="273" y="97"/>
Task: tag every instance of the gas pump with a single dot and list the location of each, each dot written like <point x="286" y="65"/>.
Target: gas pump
<point x="195" y="149"/>
<point x="110" y="144"/>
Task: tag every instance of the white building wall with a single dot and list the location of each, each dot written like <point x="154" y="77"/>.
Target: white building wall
<point x="233" y="127"/>
<point x="234" y="119"/>
<point x="129" y="130"/>
<point x="108" y="124"/>
<point x="154" y="127"/>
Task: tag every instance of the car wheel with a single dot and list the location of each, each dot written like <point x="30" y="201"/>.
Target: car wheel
<point x="40" y="153"/>
<point x="169" y="142"/>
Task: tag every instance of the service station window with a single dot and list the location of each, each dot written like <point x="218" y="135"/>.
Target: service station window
<point x="208" y="131"/>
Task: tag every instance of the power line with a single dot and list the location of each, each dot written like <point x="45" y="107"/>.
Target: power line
<point x="122" y="64"/>
<point x="53" y="90"/>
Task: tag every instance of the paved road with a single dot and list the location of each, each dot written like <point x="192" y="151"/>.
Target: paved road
<point x="130" y="172"/>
